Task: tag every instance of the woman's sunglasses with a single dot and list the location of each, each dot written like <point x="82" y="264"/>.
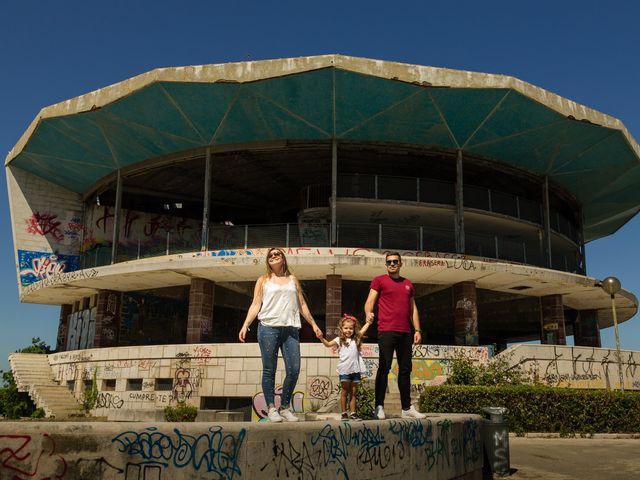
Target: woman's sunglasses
<point x="274" y="254"/>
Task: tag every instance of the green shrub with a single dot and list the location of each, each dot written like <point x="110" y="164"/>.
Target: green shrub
<point x="536" y="408"/>
<point x="365" y="399"/>
<point x="90" y="396"/>
<point x="180" y="413"/>
<point x="38" y="413"/>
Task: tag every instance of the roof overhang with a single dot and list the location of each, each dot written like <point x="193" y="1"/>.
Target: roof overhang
<point x="167" y="111"/>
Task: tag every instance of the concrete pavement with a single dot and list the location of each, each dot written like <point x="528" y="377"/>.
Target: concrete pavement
<point x="575" y="458"/>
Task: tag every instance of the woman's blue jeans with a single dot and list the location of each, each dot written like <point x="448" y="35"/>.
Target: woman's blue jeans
<point x="272" y="339"/>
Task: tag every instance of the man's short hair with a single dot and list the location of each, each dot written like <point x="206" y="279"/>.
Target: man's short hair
<point x="393" y="254"/>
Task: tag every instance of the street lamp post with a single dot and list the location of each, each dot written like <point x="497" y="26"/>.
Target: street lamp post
<point x="612" y="285"/>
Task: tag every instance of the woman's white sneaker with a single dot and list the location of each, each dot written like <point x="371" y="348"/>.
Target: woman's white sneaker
<point x="412" y="413"/>
<point x="273" y="415"/>
<point x="288" y="415"/>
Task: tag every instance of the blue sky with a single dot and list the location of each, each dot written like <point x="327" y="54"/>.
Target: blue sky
<point x="586" y="51"/>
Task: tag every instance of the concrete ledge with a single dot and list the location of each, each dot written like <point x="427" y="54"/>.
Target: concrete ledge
<point x="442" y="448"/>
<point x="146" y="415"/>
<point x="219" y="416"/>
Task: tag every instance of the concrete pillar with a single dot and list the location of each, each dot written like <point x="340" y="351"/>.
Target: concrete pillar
<point x="585" y="329"/>
<point x="465" y="314"/>
<point x="333" y="311"/>
<point x="552" y="320"/>
<point x="107" y="327"/>
<point x="200" y="320"/>
<point x="63" y="327"/>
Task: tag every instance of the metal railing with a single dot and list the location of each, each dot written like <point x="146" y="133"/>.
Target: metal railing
<point x="426" y="190"/>
<point x="519" y="249"/>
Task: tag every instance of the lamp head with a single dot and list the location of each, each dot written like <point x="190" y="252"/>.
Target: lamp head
<point x="611" y="285"/>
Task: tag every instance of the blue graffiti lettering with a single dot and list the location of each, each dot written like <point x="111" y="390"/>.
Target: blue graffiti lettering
<point x="215" y="451"/>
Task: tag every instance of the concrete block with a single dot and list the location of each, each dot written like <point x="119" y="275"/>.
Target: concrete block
<point x="227" y="416"/>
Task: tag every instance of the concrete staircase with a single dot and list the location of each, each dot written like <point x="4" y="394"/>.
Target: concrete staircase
<point x="33" y="374"/>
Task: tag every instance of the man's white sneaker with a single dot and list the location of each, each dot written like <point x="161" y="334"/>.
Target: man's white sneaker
<point x="412" y="413"/>
<point x="273" y="415"/>
<point x="380" y="413"/>
<point x="286" y="414"/>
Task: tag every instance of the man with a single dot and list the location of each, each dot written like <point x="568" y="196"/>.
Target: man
<point x="396" y="312"/>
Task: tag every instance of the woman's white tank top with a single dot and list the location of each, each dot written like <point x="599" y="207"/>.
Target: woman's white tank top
<point x="280" y="305"/>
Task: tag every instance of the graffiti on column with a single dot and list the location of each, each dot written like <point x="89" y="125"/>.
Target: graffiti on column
<point x="110" y="320"/>
<point x="466" y="310"/>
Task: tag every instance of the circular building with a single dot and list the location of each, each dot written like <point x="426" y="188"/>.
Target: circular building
<point x="144" y="209"/>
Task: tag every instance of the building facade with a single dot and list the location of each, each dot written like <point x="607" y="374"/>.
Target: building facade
<point x="144" y="209"/>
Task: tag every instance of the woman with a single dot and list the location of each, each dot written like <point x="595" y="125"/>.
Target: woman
<point x="278" y="303"/>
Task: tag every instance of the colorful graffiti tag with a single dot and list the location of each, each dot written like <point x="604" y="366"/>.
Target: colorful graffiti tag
<point x="260" y="405"/>
<point x="36" y="266"/>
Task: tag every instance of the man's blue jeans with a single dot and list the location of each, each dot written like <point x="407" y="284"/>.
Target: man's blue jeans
<point x="272" y="339"/>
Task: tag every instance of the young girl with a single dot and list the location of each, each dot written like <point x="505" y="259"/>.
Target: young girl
<point x="350" y="365"/>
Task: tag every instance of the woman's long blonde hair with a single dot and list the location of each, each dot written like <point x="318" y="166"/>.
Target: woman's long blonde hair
<point x="285" y="267"/>
<point x="356" y="330"/>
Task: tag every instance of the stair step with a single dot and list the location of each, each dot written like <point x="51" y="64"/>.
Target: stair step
<point x="33" y="373"/>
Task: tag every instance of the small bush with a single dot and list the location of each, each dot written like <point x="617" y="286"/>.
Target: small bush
<point x="90" y="396"/>
<point x="365" y="399"/>
<point x="38" y="413"/>
<point x="180" y="413"/>
<point x="536" y="408"/>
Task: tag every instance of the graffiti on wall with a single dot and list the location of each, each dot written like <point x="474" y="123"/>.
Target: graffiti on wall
<point x="65" y="229"/>
<point x="60" y="278"/>
<point x="577" y="367"/>
<point x="424" y="373"/>
<point x="23" y="456"/>
<point x="399" y="447"/>
<point x="260" y="407"/>
<point x="344" y="449"/>
<point x="213" y="451"/>
<point x="36" y="266"/>
<point x="139" y="229"/>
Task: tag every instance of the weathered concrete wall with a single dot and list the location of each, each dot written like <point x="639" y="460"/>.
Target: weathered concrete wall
<point x="230" y="371"/>
<point x="576" y="367"/>
<point x="446" y="447"/>
<point x="46" y="223"/>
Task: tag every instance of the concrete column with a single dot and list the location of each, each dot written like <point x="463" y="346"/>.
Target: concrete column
<point x="333" y="311"/>
<point x="465" y="314"/>
<point x="200" y="320"/>
<point x="585" y="329"/>
<point x="63" y="327"/>
<point x="107" y="328"/>
<point x="552" y="320"/>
